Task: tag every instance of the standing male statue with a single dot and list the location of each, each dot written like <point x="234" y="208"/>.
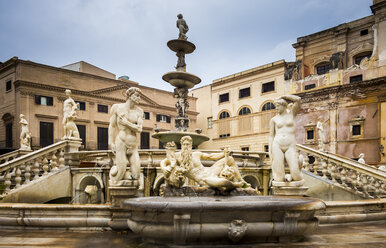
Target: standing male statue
<point x="69" y="115"/>
<point x="25" y="135"/>
<point x="183" y="27"/>
<point x="282" y="141"/>
<point x="125" y="123"/>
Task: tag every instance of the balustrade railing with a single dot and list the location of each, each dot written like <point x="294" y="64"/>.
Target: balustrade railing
<point x="153" y="157"/>
<point x="12" y="155"/>
<point x="32" y="166"/>
<point x="364" y="180"/>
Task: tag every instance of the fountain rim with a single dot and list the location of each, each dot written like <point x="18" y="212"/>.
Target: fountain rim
<point x="239" y="203"/>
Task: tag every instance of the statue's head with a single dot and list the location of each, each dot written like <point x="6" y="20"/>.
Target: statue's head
<point x="68" y="92"/>
<point x="21" y="116"/>
<point x="362" y="155"/>
<point x="280" y="104"/>
<point x="171" y="146"/>
<point x="179" y="16"/>
<point x="186" y="142"/>
<point x="320" y="118"/>
<point x="134" y="94"/>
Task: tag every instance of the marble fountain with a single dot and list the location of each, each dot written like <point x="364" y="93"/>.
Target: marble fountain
<point x="214" y="205"/>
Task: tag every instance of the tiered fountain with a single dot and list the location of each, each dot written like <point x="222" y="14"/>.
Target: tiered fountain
<point x="231" y="216"/>
<point x="182" y="81"/>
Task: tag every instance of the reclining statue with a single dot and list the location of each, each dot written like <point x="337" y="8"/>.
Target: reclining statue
<point x="223" y="174"/>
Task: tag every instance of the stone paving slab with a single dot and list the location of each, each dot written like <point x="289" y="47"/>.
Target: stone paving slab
<point x="368" y="235"/>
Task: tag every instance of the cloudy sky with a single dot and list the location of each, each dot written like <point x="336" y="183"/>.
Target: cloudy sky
<point x="128" y="37"/>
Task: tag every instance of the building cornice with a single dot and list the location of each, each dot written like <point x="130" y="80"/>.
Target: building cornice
<point x="249" y="73"/>
<point x="354" y="90"/>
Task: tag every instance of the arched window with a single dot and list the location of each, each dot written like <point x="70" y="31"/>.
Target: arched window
<point x="244" y="111"/>
<point x="358" y="58"/>
<point x="268" y="106"/>
<point x="322" y="68"/>
<point x="224" y="115"/>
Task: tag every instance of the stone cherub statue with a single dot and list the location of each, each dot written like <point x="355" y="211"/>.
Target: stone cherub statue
<point x="282" y="142"/>
<point x="183" y="27"/>
<point x="25" y="135"/>
<point x="69" y="115"/>
<point x="223" y="174"/>
<point x="125" y="122"/>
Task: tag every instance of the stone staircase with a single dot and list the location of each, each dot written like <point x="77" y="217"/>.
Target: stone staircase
<point x="24" y="178"/>
<point x="362" y="180"/>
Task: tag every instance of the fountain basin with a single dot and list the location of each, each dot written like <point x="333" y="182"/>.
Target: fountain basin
<point x="176" y="136"/>
<point x="181" y="46"/>
<point x="181" y="79"/>
<point x="222" y="220"/>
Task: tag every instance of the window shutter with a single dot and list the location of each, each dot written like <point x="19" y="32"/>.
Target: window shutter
<point x="50" y="101"/>
<point x="37" y="99"/>
<point x="168" y="119"/>
<point x="158" y="117"/>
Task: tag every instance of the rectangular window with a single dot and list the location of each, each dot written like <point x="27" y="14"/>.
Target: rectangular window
<point x="310" y="86"/>
<point x="44" y="100"/>
<point x="356" y="130"/>
<point x="82" y="134"/>
<point x="246" y="148"/>
<point x="245" y="92"/>
<point x="210" y="122"/>
<point x="103" y="108"/>
<point x="8" y="85"/>
<point x="223" y="98"/>
<point x="8" y="135"/>
<point x="267" y="87"/>
<point x="81" y="106"/>
<point x="163" y="118"/>
<point x="46" y="133"/>
<point x="266" y="149"/>
<point x="145" y="140"/>
<point x="146" y="115"/>
<point x="357" y="78"/>
<point x="364" y="32"/>
<point x="103" y="138"/>
<point x="310" y="134"/>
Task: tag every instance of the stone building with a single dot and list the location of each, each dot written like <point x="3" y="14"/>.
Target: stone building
<point x="37" y="91"/>
<point x="340" y="73"/>
<point x="241" y="107"/>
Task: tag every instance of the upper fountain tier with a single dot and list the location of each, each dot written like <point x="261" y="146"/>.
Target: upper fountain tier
<point x="179" y="45"/>
<point x="181" y="79"/>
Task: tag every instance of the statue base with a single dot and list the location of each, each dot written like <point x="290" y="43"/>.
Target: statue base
<point x="289" y="191"/>
<point x="170" y="191"/>
<point x="288" y="184"/>
<point x="124" y="183"/>
<point x="118" y="195"/>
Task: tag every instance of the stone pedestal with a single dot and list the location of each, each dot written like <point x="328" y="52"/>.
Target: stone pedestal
<point x="118" y="196"/>
<point x="120" y="193"/>
<point x="290" y="191"/>
<point x="294" y="188"/>
<point x="71" y="159"/>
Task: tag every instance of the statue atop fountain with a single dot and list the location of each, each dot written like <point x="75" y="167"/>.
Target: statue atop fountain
<point x="125" y="123"/>
<point x="182" y="81"/>
<point x="282" y="143"/>
<point x="70" y="108"/>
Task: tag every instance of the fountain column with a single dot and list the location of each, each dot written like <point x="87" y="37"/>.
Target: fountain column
<point x="182" y="81"/>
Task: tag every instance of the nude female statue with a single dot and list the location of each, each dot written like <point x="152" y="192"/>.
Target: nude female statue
<point x="69" y="115"/>
<point x="25" y="135"/>
<point x="125" y="123"/>
<point x="282" y="141"/>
